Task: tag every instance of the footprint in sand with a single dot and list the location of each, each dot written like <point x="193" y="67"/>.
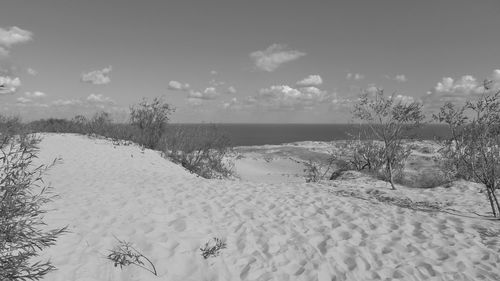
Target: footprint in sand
<point x="178" y="224"/>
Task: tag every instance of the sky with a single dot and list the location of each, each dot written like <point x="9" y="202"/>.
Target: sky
<point x="242" y="61"/>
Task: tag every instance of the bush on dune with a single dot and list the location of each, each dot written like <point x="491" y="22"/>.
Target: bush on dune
<point x="22" y="197"/>
<point x="150" y="118"/>
<point x="388" y="120"/>
<point x="473" y="151"/>
<point x="202" y="149"/>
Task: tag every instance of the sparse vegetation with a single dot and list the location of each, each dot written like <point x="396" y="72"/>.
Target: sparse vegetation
<point x="473" y="151"/>
<point x="22" y="198"/>
<point x="213" y="248"/>
<point x="150" y="118"/>
<point x="124" y="254"/>
<point x="202" y="149"/>
<point x="387" y="120"/>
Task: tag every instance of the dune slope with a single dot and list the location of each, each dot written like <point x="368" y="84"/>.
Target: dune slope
<point x="288" y="231"/>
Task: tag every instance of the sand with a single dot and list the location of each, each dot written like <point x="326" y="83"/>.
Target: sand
<point x="274" y="231"/>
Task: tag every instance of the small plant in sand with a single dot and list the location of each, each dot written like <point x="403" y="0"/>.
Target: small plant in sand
<point x="473" y="151"/>
<point x="150" y="117"/>
<point x="22" y="196"/>
<point x="213" y="248"/>
<point x="388" y="120"/>
<point x="125" y="254"/>
<point x="315" y="171"/>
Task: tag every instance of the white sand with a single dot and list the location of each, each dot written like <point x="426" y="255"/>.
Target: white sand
<point x="292" y="231"/>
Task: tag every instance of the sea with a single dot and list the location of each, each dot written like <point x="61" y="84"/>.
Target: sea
<point x="261" y="134"/>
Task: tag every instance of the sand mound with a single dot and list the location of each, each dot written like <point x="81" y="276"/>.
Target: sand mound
<point x="273" y="231"/>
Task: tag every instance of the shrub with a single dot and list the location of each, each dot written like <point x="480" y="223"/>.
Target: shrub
<point x="387" y="121"/>
<point x="473" y="151"/>
<point x="202" y="149"/>
<point x="213" y="247"/>
<point x="125" y="254"/>
<point x="23" y="194"/>
<point x="150" y="118"/>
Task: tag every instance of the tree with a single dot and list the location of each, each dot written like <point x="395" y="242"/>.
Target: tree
<point x="388" y="120"/>
<point x="473" y="150"/>
<point x="150" y="118"/>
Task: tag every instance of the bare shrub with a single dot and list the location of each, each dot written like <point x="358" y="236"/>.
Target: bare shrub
<point x="365" y="155"/>
<point x="124" y="254"/>
<point x="213" y="248"/>
<point x="387" y="121"/>
<point x="473" y="151"/>
<point x="22" y="197"/>
<point x="316" y="171"/>
<point x="150" y="118"/>
<point x="202" y="149"/>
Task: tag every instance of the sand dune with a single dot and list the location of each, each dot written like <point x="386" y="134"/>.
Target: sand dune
<point x="281" y="231"/>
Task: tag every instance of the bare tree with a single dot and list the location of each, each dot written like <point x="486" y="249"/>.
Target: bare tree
<point x="388" y="120"/>
<point x="473" y="150"/>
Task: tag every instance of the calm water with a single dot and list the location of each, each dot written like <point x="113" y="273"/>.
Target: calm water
<point x="259" y="134"/>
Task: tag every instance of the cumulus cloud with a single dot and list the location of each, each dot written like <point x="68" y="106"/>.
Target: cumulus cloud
<point x="31" y="71"/>
<point x="209" y="93"/>
<point x="99" y="99"/>
<point x="213" y="72"/>
<point x="355" y="76"/>
<point x="400" y="78"/>
<point x="9" y="85"/>
<point x="284" y="97"/>
<point x="63" y="102"/>
<point x="12" y="36"/>
<point x="35" y="94"/>
<point x="178" y="86"/>
<point x="312" y="80"/>
<point x="97" y="77"/>
<point x="231" y="90"/>
<point x="274" y="56"/>
<point x="23" y="100"/>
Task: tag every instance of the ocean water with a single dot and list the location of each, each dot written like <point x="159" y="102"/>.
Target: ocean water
<point x="260" y="134"/>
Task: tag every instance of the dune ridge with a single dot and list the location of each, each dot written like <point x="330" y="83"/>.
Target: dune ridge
<point x="274" y="231"/>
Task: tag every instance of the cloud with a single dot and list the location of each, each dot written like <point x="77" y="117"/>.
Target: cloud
<point x="400" y="78"/>
<point x="208" y="94"/>
<point x="178" y="86"/>
<point x="99" y="99"/>
<point x="312" y="80"/>
<point x="31" y="71"/>
<point x="213" y="72"/>
<point x="231" y="90"/>
<point x="12" y="36"/>
<point x="23" y="100"/>
<point x="62" y="102"/>
<point x="274" y="56"/>
<point x="284" y="97"/>
<point x="459" y="91"/>
<point x="9" y="85"/>
<point x="355" y="76"/>
<point x="35" y="94"/>
<point x="97" y="77"/>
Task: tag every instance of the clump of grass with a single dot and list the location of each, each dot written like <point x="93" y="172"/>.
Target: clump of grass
<point x="22" y="198"/>
<point x="124" y="254"/>
<point x="213" y="248"/>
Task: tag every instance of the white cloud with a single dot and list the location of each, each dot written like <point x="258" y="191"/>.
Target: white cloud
<point x="400" y="78"/>
<point x="23" y="100"/>
<point x="99" y="99"/>
<point x="355" y="76"/>
<point x="62" y="102"/>
<point x="208" y="94"/>
<point x="35" y="94"/>
<point x="312" y="80"/>
<point x="284" y="97"/>
<point x="460" y="90"/>
<point x="213" y="72"/>
<point x="12" y="36"/>
<point x="31" y="71"/>
<point x="274" y="56"/>
<point x="231" y="90"/>
<point x="178" y="86"/>
<point x="9" y="85"/>
<point x="97" y="77"/>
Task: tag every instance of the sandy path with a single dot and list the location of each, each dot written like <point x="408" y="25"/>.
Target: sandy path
<point x="273" y="231"/>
